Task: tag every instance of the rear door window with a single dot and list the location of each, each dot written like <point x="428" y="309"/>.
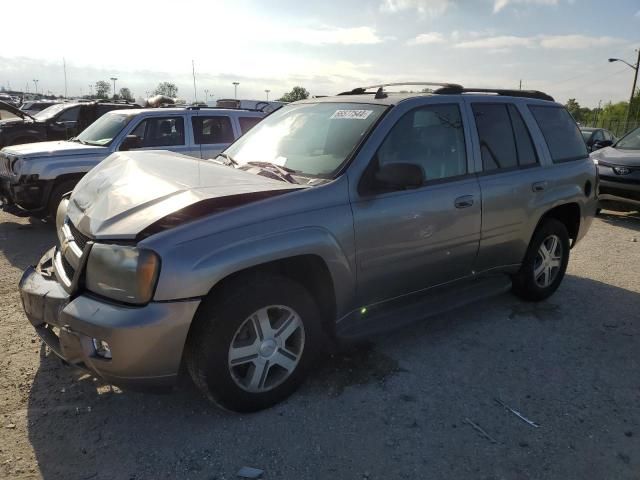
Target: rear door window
<point x="497" y="140"/>
<point x="69" y="115"/>
<point x="247" y="123"/>
<point x="560" y="132"/>
<point x="210" y="130"/>
<point x="524" y="145"/>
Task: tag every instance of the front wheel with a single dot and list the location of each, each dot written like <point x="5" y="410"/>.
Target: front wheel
<point x="252" y="345"/>
<point x="545" y="262"/>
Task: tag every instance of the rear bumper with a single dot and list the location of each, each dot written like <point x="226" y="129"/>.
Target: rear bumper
<point x="146" y="342"/>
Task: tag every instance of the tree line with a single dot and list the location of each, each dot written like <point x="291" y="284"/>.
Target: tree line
<point x="610" y="115"/>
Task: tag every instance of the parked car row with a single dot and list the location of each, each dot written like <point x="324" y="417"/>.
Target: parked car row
<point x="332" y="218"/>
<point x="34" y="176"/>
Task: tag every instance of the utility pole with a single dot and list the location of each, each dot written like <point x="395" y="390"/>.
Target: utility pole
<point x="520" y="84"/>
<point x="91" y="88"/>
<point x="35" y="82"/>
<point x="195" y="92"/>
<point x="633" y="91"/>
<point x="267" y="92"/>
<point x="113" y="79"/>
<point x="235" y="89"/>
<point x="64" y="66"/>
<point x="635" y="68"/>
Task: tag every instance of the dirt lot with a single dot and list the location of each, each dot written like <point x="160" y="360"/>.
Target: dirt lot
<point x="397" y="409"/>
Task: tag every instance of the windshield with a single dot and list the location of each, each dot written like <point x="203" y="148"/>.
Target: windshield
<point x="631" y="141"/>
<point x="586" y="134"/>
<point x="103" y="131"/>
<point x="52" y="111"/>
<point x="313" y="139"/>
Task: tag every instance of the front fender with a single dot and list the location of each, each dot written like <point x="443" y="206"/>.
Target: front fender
<point x="181" y="278"/>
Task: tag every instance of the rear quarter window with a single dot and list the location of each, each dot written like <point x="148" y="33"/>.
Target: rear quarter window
<point x="560" y="132"/>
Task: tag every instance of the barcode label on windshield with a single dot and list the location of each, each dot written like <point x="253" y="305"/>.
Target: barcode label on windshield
<point x="352" y="114"/>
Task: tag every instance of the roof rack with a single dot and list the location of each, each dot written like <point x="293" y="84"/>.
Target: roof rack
<point x="450" y="89"/>
<point x="363" y="90"/>
<point x="458" y="89"/>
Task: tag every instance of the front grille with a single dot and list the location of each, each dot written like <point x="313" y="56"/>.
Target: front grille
<point x="68" y="269"/>
<point x="5" y="167"/>
<point x="80" y="238"/>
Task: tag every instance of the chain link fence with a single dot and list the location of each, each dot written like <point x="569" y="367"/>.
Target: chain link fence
<point x="614" y="125"/>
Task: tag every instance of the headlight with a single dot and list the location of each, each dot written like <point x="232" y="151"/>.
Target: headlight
<point x="61" y="213"/>
<point x="16" y="166"/>
<point x="595" y="160"/>
<point x="126" y="274"/>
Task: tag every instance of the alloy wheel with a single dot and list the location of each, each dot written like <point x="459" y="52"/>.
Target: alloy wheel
<point x="266" y="348"/>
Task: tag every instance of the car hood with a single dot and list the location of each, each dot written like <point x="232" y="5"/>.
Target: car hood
<point x="615" y="156"/>
<point x="7" y="107"/>
<point x="129" y="191"/>
<point x="57" y="148"/>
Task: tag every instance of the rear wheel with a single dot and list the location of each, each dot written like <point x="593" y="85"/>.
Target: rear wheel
<point x="252" y="346"/>
<point x="545" y="262"/>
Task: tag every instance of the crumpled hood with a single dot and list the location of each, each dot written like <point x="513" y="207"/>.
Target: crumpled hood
<point x="614" y="156"/>
<point x="57" y="148"/>
<point x="129" y="191"/>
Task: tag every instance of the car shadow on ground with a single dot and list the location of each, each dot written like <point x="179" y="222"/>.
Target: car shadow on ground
<point x="20" y="240"/>
<point x="399" y="406"/>
<point x="628" y="220"/>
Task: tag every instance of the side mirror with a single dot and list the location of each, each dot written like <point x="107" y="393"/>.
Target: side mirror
<point x="601" y="144"/>
<point x="400" y="175"/>
<point x="130" y="142"/>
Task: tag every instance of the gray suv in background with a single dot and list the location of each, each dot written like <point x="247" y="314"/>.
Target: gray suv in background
<point x="333" y="218"/>
<point x="35" y="176"/>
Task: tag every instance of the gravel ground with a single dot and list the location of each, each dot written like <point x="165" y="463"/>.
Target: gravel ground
<point x="398" y="408"/>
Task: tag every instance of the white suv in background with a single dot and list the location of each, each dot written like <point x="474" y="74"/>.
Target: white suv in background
<point x="35" y="176"/>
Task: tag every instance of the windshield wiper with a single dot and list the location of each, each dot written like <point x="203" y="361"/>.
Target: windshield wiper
<point x="229" y="159"/>
<point x="77" y="140"/>
<point x="284" y="172"/>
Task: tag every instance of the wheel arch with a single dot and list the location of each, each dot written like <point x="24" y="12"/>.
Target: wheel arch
<point x="569" y="215"/>
<point x="309" y="270"/>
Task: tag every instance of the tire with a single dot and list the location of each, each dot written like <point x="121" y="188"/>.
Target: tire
<point x="238" y="367"/>
<point x="56" y="196"/>
<point x="550" y="270"/>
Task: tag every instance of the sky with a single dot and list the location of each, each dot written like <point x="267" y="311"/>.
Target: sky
<point x="328" y="46"/>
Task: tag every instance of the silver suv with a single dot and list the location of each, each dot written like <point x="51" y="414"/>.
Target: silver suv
<point x="35" y="176"/>
<point x="332" y="218"/>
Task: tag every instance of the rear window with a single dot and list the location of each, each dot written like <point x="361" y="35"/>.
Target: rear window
<point x="560" y="132"/>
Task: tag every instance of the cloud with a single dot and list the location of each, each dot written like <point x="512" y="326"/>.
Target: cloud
<point x="427" y="38"/>
<point x="569" y="42"/>
<point x="499" y="42"/>
<point x="431" y="8"/>
<point x="332" y="36"/>
<point x="500" y="4"/>
<point x="551" y="42"/>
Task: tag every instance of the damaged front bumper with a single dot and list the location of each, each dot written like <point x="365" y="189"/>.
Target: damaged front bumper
<point x="145" y="343"/>
<point x="27" y="195"/>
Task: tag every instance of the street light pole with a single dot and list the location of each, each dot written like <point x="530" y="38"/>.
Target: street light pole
<point x="113" y="79"/>
<point x="635" y="68"/>
<point x="91" y="89"/>
<point x="35" y="82"/>
<point x="267" y="92"/>
<point x="235" y="90"/>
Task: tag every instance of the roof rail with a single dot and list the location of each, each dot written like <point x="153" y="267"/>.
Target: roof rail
<point x="498" y="91"/>
<point x="363" y="90"/>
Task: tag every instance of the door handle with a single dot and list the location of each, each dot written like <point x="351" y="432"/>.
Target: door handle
<point x="538" y="186"/>
<point x="464" y="202"/>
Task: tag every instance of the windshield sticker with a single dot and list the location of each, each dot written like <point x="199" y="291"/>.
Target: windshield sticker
<point x="352" y="114"/>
